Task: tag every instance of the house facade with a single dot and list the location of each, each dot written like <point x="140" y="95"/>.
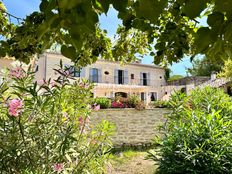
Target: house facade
<point x="111" y="78"/>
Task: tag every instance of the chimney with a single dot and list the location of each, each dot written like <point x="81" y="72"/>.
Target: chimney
<point x="213" y="76"/>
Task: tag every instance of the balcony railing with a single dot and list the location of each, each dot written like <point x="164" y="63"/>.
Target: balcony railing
<point x="117" y="80"/>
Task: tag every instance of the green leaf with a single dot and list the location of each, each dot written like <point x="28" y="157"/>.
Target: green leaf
<point x="105" y="5"/>
<point x="193" y="8"/>
<point x="150" y="9"/>
<point x="68" y="52"/>
<point x="215" y="18"/>
<point x="224" y="7"/>
<point x="120" y="5"/>
<point x="203" y="39"/>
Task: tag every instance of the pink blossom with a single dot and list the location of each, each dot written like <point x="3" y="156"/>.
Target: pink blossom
<point x="81" y="121"/>
<point x="118" y="104"/>
<point x="17" y="72"/>
<point x="53" y="83"/>
<point x="15" y="106"/>
<point x="41" y="82"/>
<point x="58" y="167"/>
<point x="97" y="107"/>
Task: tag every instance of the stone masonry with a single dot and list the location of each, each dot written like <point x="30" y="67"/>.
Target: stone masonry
<point x="133" y="127"/>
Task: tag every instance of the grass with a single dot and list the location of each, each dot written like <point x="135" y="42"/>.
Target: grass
<point x="130" y="162"/>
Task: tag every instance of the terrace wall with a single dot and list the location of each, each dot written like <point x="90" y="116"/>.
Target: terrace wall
<point x="133" y="127"/>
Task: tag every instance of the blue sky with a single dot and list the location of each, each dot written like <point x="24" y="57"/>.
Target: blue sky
<point x="21" y="8"/>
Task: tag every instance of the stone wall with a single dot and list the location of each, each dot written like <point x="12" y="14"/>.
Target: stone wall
<point x="133" y="127"/>
<point x="196" y="80"/>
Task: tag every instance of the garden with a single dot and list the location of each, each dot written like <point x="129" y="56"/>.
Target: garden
<point x="133" y="101"/>
<point x="43" y="130"/>
<point x="45" y="127"/>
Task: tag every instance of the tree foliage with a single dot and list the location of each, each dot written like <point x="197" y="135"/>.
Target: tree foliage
<point x="169" y="25"/>
<point x="175" y="77"/>
<point x="205" y="66"/>
<point x="227" y="69"/>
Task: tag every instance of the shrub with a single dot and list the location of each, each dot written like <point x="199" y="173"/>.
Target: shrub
<point x="103" y="102"/>
<point x="47" y="128"/>
<point x="117" y="104"/>
<point x="160" y="104"/>
<point x="140" y="106"/>
<point x="120" y="102"/>
<point x="197" y="136"/>
<point x="133" y="101"/>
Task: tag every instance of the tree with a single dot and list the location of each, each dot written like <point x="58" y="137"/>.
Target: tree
<point x="171" y="25"/>
<point x="227" y="69"/>
<point x="175" y="77"/>
<point x="205" y="66"/>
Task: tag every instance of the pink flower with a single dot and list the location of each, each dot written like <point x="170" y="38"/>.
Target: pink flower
<point x="15" y="106"/>
<point x="41" y="82"/>
<point x="97" y="107"/>
<point x="58" y="167"/>
<point x="17" y="72"/>
<point x="81" y="121"/>
<point x="53" y="83"/>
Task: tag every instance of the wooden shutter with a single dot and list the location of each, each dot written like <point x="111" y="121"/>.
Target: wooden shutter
<point x="126" y="78"/>
<point x="99" y="76"/>
<point x="141" y="78"/>
<point x="148" y="79"/>
<point x="116" y="76"/>
<point x="82" y="73"/>
<point x="90" y="74"/>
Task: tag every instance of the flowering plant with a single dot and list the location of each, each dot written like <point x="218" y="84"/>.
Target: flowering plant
<point x="47" y="128"/>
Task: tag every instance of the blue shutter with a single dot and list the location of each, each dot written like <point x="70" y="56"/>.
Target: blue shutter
<point x="82" y="73"/>
<point x="126" y="79"/>
<point x="148" y="79"/>
<point x="90" y="74"/>
<point x="141" y="78"/>
<point x="99" y="76"/>
<point x="116" y="76"/>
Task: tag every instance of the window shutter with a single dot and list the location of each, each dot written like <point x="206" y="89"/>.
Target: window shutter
<point x="82" y="73"/>
<point x="116" y="76"/>
<point x="141" y="78"/>
<point x="90" y="74"/>
<point x="99" y="76"/>
<point x="148" y="79"/>
<point x="126" y="78"/>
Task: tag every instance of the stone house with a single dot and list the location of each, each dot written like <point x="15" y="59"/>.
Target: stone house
<point x="111" y="78"/>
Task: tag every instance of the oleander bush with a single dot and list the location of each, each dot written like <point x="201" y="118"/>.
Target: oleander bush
<point x="120" y="102"/>
<point x="45" y="127"/>
<point x="103" y="102"/>
<point x="197" y="135"/>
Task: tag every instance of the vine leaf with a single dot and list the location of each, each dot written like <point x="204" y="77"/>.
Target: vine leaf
<point x="150" y="9"/>
<point x="193" y="8"/>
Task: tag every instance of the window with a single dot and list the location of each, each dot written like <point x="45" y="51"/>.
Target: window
<point x="144" y="79"/>
<point x="107" y="73"/>
<point x="142" y="96"/>
<point x="94" y="75"/>
<point x="132" y="76"/>
<point x="120" y="77"/>
<point x="73" y="71"/>
<point x="153" y="96"/>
